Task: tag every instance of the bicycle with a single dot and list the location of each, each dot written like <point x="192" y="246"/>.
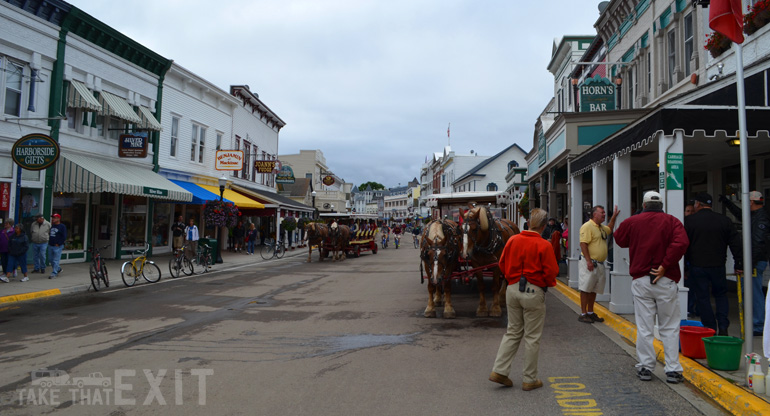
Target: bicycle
<point x="98" y="270"/>
<point x="131" y="270"/>
<point x="203" y="257"/>
<point x="180" y="263"/>
<point x="270" y="250"/>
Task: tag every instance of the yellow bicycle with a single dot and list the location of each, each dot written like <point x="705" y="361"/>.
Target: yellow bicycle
<point x="140" y="266"/>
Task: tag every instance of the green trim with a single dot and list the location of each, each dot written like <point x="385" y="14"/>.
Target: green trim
<point x="100" y="34"/>
<point x="645" y="40"/>
<point x="654" y="27"/>
<point x="70" y="256"/>
<point x="612" y="41"/>
<point x="591" y="135"/>
<point x="628" y="56"/>
<point x="150" y="205"/>
<point x="626" y="25"/>
<point x="118" y="248"/>
<point x="665" y="18"/>
<point x="680" y="5"/>
<point x="642" y="7"/>
<point x="155" y="136"/>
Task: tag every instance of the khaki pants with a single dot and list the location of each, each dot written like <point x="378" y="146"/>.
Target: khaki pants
<point x="192" y="249"/>
<point x="178" y="241"/>
<point x="526" y="317"/>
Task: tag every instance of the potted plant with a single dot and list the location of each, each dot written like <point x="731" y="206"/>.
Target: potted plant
<point x="289" y="224"/>
<point x="757" y="17"/>
<point x="221" y="214"/>
<point x="717" y="43"/>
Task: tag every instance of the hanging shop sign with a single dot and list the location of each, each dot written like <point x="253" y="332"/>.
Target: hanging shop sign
<point x="154" y="191"/>
<point x="328" y="180"/>
<point x="5" y="196"/>
<point x="285" y="175"/>
<point x="35" y="151"/>
<point x="674" y="171"/>
<point x="597" y="94"/>
<point x="267" y="166"/>
<point x="541" y="149"/>
<point x="229" y="160"/>
<point x="133" y="145"/>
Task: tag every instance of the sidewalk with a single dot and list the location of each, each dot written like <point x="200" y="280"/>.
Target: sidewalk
<point x="75" y="278"/>
<point x="725" y="387"/>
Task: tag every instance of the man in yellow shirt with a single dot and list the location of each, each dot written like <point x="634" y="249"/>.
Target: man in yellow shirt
<point x="592" y="275"/>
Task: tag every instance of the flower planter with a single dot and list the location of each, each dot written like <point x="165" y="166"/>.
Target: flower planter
<point x="719" y="48"/>
<point x="757" y="17"/>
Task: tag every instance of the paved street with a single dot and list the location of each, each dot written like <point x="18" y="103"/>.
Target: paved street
<point x="287" y="337"/>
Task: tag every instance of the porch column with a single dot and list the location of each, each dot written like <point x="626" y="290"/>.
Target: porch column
<point x="621" y="299"/>
<point x="673" y="200"/>
<point x="576" y="220"/>
<point x="600" y="198"/>
<point x="543" y="191"/>
<point x="552" y="193"/>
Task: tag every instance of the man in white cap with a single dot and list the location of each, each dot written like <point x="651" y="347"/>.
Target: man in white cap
<point x="656" y="242"/>
<point x="760" y="244"/>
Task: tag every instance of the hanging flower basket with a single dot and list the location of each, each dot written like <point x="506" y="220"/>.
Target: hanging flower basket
<point x="221" y="214"/>
<point x="757" y="17"/>
<point x="717" y="43"/>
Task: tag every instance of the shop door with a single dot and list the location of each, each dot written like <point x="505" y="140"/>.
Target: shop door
<point x="104" y="230"/>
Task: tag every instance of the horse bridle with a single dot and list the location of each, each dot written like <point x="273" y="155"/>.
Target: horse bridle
<point x="495" y="236"/>
<point x="450" y="234"/>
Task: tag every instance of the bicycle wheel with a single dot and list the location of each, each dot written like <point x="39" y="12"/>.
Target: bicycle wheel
<point x="203" y="263"/>
<point x="128" y="273"/>
<point x="151" y="272"/>
<point x="95" y="282"/>
<point x="266" y="252"/>
<point x="174" y="267"/>
<point x="280" y="251"/>
<point x="105" y="276"/>
<point x="187" y="266"/>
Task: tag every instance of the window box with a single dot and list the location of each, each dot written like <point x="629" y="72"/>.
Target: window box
<point x="757" y="17"/>
<point x="717" y="43"/>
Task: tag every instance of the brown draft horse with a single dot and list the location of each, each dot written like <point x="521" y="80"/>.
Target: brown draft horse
<point x="340" y="238"/>
<point x="439" y="251"/>
<point x="315" y="234"/>
<point x="483" y="240"/>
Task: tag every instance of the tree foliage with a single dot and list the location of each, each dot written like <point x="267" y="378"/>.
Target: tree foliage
<point x="375" y="186"/>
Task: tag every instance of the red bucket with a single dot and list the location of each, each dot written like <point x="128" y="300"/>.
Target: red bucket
<point x="692" y="340"/>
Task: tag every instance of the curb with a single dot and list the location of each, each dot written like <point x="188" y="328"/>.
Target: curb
<point x="31" y="295"/>
<point x="732" y="398"/>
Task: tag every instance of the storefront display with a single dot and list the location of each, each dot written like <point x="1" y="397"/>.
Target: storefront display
<point x="133" y="224"/>
<point x="161" y="223"/>
<point x="73" y="211"/>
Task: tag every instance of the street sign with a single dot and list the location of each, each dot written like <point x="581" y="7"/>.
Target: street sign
<point x="675" y="171"/>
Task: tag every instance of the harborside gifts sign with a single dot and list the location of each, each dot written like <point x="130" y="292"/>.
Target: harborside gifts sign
<point x="229" y="160"/>
<point x="35" y="151"/>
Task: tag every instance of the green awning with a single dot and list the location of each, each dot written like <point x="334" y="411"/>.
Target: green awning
<point x="115" y="106"/>
<point x="149" y="121"/>
<point x="79" y="96"/>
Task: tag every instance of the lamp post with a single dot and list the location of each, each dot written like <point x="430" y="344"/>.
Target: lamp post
<point x="315" y="212"/>
<point x="222" y="183"/>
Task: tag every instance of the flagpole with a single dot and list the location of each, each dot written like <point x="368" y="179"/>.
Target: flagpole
<point x="748" y="345"/>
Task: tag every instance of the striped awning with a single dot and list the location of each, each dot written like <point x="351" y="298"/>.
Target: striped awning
<point x="87" y="174"/>
<point x="80" y="97"/>
<point x="149" y="122"/>
<point x="115" y="106"/>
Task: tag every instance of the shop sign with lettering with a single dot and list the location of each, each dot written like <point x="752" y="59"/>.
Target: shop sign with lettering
<point x="5" y="196"/>
<point x="154" y="191"/>
<point x="674" y="171"/>
<point x="328" y="180"/>
<point x="267" y="166"/>
<point x="285" y="175"/>
<point x="35" y="151"/>
<point x="597" y="94"/>
<point x="229" y="160"/>
<point x="133" y="145"/>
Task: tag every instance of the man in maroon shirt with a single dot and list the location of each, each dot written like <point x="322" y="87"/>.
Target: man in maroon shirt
<point x="526" y="255"/>
<point x="656" y="242"/>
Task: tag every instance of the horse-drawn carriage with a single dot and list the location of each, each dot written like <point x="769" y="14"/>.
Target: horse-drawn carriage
<point x="465" y="239"/>
<point x="336" y="235"/>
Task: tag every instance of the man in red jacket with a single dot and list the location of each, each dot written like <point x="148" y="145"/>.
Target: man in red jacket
<point x="526" y="255"/>
<point x="656" y="242"/>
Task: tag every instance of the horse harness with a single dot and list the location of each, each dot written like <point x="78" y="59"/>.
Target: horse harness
<point x="451" y="241"/>
<point x="495" y="240"/>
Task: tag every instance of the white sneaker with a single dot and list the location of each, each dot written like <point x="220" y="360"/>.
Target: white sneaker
<point x="4" y="279"/>
<point x="24" y="279"/>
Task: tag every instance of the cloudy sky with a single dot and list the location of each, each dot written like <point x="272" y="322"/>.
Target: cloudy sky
<point x="372" y="83"/>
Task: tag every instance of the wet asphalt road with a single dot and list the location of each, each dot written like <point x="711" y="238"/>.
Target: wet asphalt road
<point x="289" y="338"/>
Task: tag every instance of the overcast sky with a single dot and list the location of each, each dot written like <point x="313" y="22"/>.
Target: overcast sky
<point x="373" y="84"/>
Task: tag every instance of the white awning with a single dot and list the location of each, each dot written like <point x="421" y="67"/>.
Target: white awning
<point x="149" y="121"/>
<point x="86" y="174"/>
<point x="80" y="97"/>
<point x="115" y="106"/>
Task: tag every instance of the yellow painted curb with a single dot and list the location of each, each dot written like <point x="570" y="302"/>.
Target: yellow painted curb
<point x="28" y="296"/>
<point x="731" y="397"/>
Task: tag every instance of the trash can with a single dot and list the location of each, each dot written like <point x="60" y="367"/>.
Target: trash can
<point x="211" y="242"/>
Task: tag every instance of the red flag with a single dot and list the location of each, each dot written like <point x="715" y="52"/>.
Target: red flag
<point x="726" y="17"/>
<point x="447" y="129"/>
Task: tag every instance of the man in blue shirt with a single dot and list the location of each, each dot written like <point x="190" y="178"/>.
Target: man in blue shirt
<point x="58" y="235"/>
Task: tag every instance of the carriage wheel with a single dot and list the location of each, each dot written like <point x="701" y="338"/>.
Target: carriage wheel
<point x="374" y="248"/>
<point x="357" y="252"/>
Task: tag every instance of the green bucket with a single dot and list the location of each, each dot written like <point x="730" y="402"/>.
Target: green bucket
<point x="723" y="353"/>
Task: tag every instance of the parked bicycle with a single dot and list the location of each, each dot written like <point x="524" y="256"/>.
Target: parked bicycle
<point x="270" y="250"/>
<point x="140" y="266"/>
<point x="203" y="258"/>
<point x="180" y="263"/>
<point x="98" y="270"/>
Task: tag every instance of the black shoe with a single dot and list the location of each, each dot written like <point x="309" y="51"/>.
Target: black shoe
<point x="722" y="332"/>
<point x="674" y="377"/>
<point x="594" y="317"/>
<point x="644" y="374"/>
<point x="585" y="319"/>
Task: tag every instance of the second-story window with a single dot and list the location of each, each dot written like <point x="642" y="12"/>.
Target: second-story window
<point x="201" y="144"/>
<point x="649" y="75"/>
<point x="198" y="143"/>
<point x="13" y="76"/>
<point x="671" y="58"/>
<point x="688" y="43"/>
<point x="247" y="157"/>
<point x="174" y="136"/>
<point x="219" y="141"/>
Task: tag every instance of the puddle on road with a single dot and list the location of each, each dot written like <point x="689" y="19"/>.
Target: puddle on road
<point x="343" y="343"/>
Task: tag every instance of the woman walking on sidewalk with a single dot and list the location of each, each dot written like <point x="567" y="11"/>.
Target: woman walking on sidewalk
<point x="252" y="238"/>
<point x="17" y="248"/>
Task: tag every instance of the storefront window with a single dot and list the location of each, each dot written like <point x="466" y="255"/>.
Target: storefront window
<point x="194" y="212"/>
<point x="161" y="222"/>
<point x="72" y="208"/>
<point x="133" y="223"/>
